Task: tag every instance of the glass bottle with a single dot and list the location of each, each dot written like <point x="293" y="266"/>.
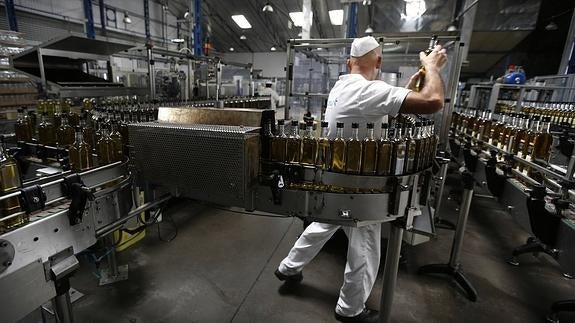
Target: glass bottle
<point x="421" y="80"/>
<point x="353" y="152"/>
<point x="529" y="140"/>
<point x="419" y="147"/>
<point x="46" y="131"/>
<point x="543" y="141"/>
<point x="57" y="115"/>
<point x="279" y="144"/>
<point x="80" y="153"/>
<point x="117" y="140"/>
<point x="65" y="134"/>
<point x="22" y="128"/>
<point x="384" y="152"/>
<point x="293" y="145"/>
<point x="507" y="129"/>
<point x="486" y="131"/>
<point x="519" y="136"/>
<point x="398" y="155"/>
<point x="88" y="131"/>
<point x="105" y="148"/>
<point x="496" y="131"/>
<point x="309" y="146"/>
<point x="266" y="141"/>
<point x="338" y="148"/>
<point x="324" y="148"/>
<point x="9" y="182"/>
<point x="410" y="146"/>
<point x="30" y="120"/>
<point x="369" y="152"/>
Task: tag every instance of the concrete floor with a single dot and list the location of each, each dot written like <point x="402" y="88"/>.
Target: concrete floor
<point x="220" y="269"/>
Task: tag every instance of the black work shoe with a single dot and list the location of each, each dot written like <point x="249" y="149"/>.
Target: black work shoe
<point x="289" y="279"/>
<point x="367" y="316"/>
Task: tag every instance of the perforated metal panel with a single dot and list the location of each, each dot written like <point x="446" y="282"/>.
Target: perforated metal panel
<point x="206" y="162"/>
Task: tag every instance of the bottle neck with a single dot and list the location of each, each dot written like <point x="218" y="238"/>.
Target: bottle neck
<point x="79" y="137"/>
<point x="355" y="133"/>
<point x="295" y="130"/>
<point x="324" y="132"/>
<point x="544" y="127"/>
<point x="370" y="134"/>
<point x="339" y="133"/>
<point x="281" y="130"/>
<point x="384" y="134"/>
<point x="309" y="131"/>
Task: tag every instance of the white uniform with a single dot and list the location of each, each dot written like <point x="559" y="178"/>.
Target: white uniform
<point x="275" y="98"/>
<point x="352" y="99"/>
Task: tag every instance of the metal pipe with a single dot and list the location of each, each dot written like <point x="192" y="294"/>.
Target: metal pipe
<point x="390" y="272"/>
<point x="460" y="229"/>
<point x="63" y="308"/>
<point x="144" y="207"/>
<point x="89" y="15"/>
<point x="102" y="16"/>
<point x="147" y="22"/>
<point x="289" y="79"/>
<point x="152" y="81"/>
<point x="451" y="92"/>
<point x="439" y="195"/>
<point x="11" y="15"/>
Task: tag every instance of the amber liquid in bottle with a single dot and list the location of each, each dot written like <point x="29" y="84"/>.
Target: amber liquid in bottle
<point x="293" y="145"/>
<point x="88" y="133"/>
<point x="353" y="152"/>
<point x="279" y="144"/>
<point x="399" y="152"/>
<point x="46" y="133"/>
<point x="309" y="146"/>
<point x="519" y="138"/>
<point x="324" y="148"/>
<point x="410" y="149"/>
<point x="80" y="153"/>
<point x="496" y="131"/>
<point x="106" y="152"/>
<point x="22" y="128"/>
<point x="384" y="151"/>
<point x="65" y="134"/>
<point x="369" y="153"/>
<point x="543" y="141"/>
<point x="419" y="147"/>
<point x="9" y="181"/>
<point x="57" y="114"/>
<point x="338" y="148"/>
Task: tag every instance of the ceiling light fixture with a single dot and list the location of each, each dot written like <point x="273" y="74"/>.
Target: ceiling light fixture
<point x="366" y="2"/>
<point x="242" y="21"/>
<point x="231" y="49"/>
<point x="369" y="30"/>
<point x="336" y="17"/>
<point x="273" y="49"/>
<point x="243" y="37"/>
<point x="268" y="8"/>
<point x="177" y="40"/>
<point x="297" y="18"/>
<point x="127" y="19"/>
<point x="414" y="8"/>
<point x="187" y="14"/>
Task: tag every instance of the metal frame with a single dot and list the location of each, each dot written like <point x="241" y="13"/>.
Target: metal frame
<point x="494" y="98"/>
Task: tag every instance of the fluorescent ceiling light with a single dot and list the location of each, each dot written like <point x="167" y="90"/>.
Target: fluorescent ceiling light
<point x="127" y="19"/>
<point x="297" y="18"/>
<point x="268" y="7"/>
<point x="241" y="21"/>
<point x="336" y="17"/>
<point x="273" y="49"/>
<point x="243" y="37"/>
<point x="231" y="49"/>
<point x="414" y="8"/>
<point x="177" y="40"/>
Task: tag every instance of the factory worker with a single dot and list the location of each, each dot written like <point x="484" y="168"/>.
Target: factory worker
<point x="361" y="97"/>
<point x="268" y="91"/>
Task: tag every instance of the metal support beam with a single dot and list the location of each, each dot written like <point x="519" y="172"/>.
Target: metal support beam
<point x="198" y="34"/>
<point x="307" y="19"/>
<point x="468" y="15"/>
<point x="102" y="16"/>
<point x="352" y="20"/>
<point x="151" y="74"/>
<point x="567" y="65"/>
<point x="11" y="15"/>
<point x="147" y="21"/>
<point x="89" y="25"/>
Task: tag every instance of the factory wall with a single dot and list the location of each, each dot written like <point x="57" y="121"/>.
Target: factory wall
<point x="271" y="64"/>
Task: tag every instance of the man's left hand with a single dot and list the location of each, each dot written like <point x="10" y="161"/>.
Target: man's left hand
<point x="412" y="81"/>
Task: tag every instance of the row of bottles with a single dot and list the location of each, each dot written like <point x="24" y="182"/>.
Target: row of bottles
<point x="560" y="113"/>
<point x="398" y="150"/>
<point x="520" y="134"/>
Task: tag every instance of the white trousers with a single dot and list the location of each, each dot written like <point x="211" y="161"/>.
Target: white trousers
<point x="363" y="254"/>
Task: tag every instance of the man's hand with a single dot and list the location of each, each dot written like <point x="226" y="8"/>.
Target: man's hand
<point x="413" y="80"/>
<point x="435" y="60"/>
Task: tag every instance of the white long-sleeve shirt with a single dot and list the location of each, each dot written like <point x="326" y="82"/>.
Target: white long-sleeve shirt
<point x="355" y="99"/>
<point x="275" y="98"/>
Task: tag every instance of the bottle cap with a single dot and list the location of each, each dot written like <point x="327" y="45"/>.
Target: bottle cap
<point x="384" y="125"/>
<point x="535" y="118"/>
<point x="546" y="119"/>
<point x="370" y="125"/>
<point x="355" y="125"/>
<point x="281" y="122"/>
<point x="294" y="123"/>
<point x="324" y="124"/>
<point x="339" y="125"/>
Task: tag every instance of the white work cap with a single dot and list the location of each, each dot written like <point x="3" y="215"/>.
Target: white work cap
<point x="363" y="45"/>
